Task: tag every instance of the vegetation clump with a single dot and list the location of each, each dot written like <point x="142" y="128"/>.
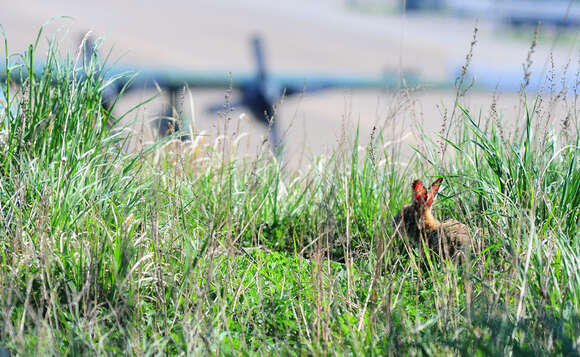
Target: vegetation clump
<point x="105" y="251"/>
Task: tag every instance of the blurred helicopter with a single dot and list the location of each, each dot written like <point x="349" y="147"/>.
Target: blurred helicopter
<point x="259" y="92"/>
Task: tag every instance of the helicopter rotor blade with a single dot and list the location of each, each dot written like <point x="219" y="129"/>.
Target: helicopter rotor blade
<point x="89" y="48"/>
<point x="258" y="50"/>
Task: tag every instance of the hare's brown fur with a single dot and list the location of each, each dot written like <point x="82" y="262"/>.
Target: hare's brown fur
<point x="449" y="238"/>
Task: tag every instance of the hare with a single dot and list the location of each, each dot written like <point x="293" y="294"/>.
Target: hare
<point x="449" y="239"/>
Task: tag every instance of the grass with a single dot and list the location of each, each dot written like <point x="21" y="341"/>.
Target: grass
<point x="191" y="251"/>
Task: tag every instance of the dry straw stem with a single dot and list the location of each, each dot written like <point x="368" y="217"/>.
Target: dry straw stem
<point x="461" y="89"/>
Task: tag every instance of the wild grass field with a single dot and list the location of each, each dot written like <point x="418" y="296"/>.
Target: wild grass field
<point x="192" y="249"/>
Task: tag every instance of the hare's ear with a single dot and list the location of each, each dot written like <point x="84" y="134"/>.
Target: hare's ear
<point x="419" y="192"/>
<point x="433" y="191"/>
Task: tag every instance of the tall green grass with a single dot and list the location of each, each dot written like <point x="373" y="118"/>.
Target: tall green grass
<point x="106" y="251"/>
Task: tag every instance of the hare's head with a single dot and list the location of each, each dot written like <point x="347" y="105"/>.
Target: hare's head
<point x="423" y="198"/>
<point x="417" y="215"/>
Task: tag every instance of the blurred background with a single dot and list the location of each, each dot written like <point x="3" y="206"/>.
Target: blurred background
<point x="376" y="39"/>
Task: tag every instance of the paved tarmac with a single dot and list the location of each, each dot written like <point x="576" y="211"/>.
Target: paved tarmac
<point x="300" y="36"/>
